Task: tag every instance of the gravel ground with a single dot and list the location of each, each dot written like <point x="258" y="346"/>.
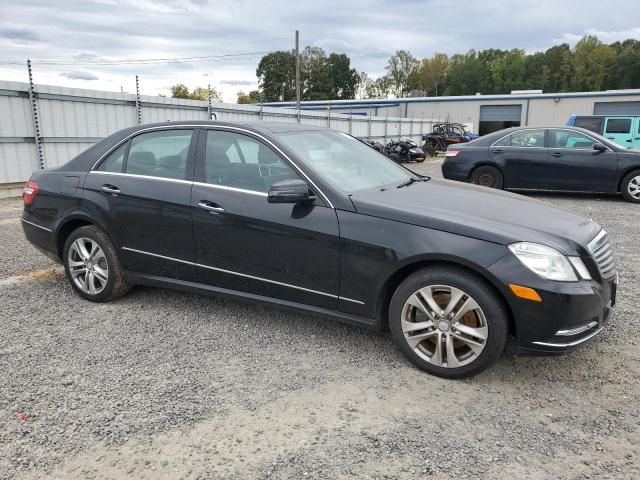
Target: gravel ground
<point x="163" y="384"/>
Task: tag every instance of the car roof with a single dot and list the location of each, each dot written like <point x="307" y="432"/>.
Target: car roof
<point x="86" y="159"/>
<point x="257" y="126"/>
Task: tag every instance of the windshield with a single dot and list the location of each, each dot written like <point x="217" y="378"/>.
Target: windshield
<point x="342" y="161"/>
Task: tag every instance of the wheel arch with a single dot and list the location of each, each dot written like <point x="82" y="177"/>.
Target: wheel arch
<point x="70" y="224"/>
<point x="627" y="171"/>
<point x="396" y="278"/>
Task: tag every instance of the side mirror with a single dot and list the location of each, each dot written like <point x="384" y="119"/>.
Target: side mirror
<point x="290" y="191"/>
<point x="599" y="147"/>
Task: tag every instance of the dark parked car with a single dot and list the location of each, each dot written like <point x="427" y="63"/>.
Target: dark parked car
<point x="314" y="220"/>
<point x="557" y="159"/>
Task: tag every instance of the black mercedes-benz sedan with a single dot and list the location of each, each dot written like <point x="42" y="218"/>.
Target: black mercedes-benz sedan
<point x="566" y="159"/>
<point x="314" y="220"/>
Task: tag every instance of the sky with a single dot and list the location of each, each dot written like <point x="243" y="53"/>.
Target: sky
<point x="86" y="37"/>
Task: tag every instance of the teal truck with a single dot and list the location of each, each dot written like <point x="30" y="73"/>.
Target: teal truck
<point x="623" y="130"/>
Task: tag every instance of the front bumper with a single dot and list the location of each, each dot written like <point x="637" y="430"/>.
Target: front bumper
<point x="570" y="314"/>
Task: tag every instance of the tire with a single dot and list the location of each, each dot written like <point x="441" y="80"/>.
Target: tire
<point x="92" y="266"/>
<point x="429" y="149"/>
<point x="478" y="313"/>
<point x="630" y="187"/>
<point x="487" y="176"/>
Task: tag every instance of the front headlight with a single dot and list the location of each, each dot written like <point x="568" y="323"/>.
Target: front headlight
<point x="544" y="261"/>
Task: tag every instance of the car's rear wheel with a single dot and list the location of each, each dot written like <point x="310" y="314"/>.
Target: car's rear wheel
<point x="487" y="176"/>
<point x="448" y="322"/>
<point x="92" y="266"/>
<point x="630" y="187"/>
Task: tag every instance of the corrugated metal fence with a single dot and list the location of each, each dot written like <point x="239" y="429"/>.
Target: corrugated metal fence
<point x="70" y="120"/>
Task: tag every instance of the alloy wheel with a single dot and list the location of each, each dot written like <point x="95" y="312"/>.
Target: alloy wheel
<point x="88" y="266"/>
<point x="634" y="187"/>
<point x="444" y="325"/>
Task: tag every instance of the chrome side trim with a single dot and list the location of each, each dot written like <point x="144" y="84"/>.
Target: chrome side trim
<point x="577" y="330"/>
<point x="231" y="272"/>
<point x="36" y="225"/>
<point x="231" y="189"/>
<point x="570" y="344"/>
<point x="215" y="127"/>
<point x="187" y="262"/>
<point x="188" y="182"/>
<point x="149" y="177"/>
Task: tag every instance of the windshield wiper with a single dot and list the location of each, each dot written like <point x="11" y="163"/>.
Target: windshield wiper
<point x="407" y="183"/>
<point x="412" y="180"/>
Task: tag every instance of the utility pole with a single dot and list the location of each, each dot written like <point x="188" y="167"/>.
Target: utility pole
<point x="33" y="99"/>
<point x="298" y="70"/>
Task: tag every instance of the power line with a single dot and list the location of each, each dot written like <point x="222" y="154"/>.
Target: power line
<point x="145" y="61"/>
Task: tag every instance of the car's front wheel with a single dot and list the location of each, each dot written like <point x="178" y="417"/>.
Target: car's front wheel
<point x="91" y="265"/>
<point x="448" y="322"/>
<point x="631" y="187"/>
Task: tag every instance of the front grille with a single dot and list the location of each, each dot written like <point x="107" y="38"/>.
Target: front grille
<point x="600" y="249"/>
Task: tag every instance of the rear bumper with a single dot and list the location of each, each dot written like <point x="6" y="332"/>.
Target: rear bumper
<point x="571" y="313"/>
<point x="41" y="237"/>
<point x="453" y="170"/>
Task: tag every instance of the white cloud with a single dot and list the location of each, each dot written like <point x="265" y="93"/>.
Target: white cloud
<point x="368" y="31"/>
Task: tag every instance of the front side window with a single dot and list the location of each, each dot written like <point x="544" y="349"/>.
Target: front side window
<point x="239" y="161"/>
<point x="569" y="139"/>
<point x="618" y="125"/>
<point x="342" y="161"/>
<point x="160" y="154"/>
<point x="527" y="138"/>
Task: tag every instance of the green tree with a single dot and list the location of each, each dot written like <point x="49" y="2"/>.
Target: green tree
<point x="246" y="98"/>
<point x="430" y="75"/>
<point x="276" y="76"/>
<point x="468" y="75"/>
<point x="625" y="68"/>
<point x="344" y="78"/>
<point x="361" y="86"/>
<point x="379" y="88"/>
<point x="199" y="93"/>
<point x="592" y="60"/>
<point x="400" y="66"/>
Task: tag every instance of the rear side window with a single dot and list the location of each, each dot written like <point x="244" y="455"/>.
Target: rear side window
<point x="503" y="142"/>
<point x="618" y="125"/>
<point x="160" y="154"/>
<point x="528" y="138"/>
<point x="590" y="123"/>
<point x="114" y="162"/>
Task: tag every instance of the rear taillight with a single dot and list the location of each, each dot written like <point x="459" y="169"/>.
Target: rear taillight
<point x="451" y="153"/>
<point x="30" y="191"/>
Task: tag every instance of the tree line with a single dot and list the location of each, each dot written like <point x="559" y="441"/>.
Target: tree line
<point x="590" y="65"/>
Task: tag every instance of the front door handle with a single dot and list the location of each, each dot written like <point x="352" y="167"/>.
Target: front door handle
<point x="556" y="154"/>
<point x="210" y="208"/>
<point x="113" y="190"/>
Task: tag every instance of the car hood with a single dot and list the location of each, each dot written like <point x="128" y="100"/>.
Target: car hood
<point x="480" y="212"/>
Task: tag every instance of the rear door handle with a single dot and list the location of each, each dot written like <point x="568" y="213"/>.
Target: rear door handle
<point x="556" y="154"/>
<point x="210" y="208"/>
<point x="113" y="190"/>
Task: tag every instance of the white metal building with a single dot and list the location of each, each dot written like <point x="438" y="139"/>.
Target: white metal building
<point x="488" y="113"/>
